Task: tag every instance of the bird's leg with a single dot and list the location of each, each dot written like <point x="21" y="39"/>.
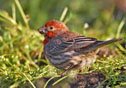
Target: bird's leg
<point x="64" y="73"/>
<point x="80" y="70"/>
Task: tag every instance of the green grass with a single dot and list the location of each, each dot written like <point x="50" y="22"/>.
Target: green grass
<point x="21" y="48"/>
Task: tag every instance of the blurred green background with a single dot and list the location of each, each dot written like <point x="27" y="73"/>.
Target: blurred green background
<point x="21" y="44"/>
<point x="94" y="12"/>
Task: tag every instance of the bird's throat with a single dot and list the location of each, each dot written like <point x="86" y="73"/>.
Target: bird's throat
<point x="46" y="40"/>
<point x="51" y="34"/>
<point x="48" y="37"/>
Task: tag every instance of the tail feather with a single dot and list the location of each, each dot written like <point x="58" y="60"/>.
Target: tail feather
<point x="103" y="43"/>
<point x="98" y="44"/>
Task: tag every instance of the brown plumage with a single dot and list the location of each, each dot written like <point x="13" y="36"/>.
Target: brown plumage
<point x="67" y="50"/>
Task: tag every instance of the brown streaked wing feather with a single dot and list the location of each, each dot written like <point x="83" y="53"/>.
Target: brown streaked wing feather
<point x="70" y="42"/>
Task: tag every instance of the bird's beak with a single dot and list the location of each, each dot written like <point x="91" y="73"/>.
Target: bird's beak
<point x="42" y="30"/>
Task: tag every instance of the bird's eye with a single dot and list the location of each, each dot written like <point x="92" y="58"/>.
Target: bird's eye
<point x="51" y="28"/>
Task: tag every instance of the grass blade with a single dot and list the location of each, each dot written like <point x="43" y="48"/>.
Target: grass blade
<point x="14" y="12"/>
<point x="120" y="27"/>
<point x="29" y="81"/>
<point x="48" y="82"/>
<point x="63" y="14"/>
<point x="59" y="80"/>
<point x="22" y="13"/>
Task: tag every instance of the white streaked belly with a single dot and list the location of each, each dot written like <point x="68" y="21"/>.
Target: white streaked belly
<point x="65" y="60"/>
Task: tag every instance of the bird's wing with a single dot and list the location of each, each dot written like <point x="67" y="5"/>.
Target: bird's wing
<point x="75" y="43"/>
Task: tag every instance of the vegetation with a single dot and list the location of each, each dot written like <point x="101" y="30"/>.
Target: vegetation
<point x="21" y="43"/>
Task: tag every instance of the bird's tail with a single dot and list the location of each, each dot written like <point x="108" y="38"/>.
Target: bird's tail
<point x="99" y="44"/>
<point x="103" y="43"/>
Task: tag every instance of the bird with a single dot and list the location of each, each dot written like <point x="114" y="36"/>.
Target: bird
<point x="67" y="50"/>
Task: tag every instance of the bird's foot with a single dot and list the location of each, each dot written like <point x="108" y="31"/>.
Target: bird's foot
<point x="63" y="73"/>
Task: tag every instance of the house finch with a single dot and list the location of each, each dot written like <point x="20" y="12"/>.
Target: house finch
<point x="67" y="50"/>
